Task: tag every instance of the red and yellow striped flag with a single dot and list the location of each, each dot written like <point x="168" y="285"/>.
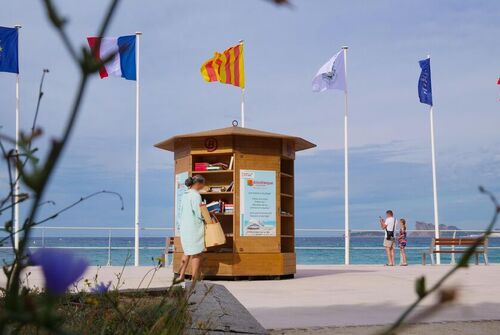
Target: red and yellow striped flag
<point x="226" y="67"/>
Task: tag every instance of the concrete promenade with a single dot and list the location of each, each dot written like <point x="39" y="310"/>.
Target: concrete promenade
<point x="337" y="295"/>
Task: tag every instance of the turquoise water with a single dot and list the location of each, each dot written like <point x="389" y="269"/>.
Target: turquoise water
<point x="122" y="249"/>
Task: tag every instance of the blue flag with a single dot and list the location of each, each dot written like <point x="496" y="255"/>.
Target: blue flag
<point x="8" y="50"/>
<point x="424" y="82"/>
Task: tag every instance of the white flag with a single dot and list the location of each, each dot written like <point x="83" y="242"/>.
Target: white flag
<point x="331" y="76"/>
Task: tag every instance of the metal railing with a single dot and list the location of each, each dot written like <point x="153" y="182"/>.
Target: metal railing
<point x="109" y="247"/>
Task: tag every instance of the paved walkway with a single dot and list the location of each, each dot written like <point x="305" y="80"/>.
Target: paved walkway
<point x="364" y="295"/>
<point x="443" y="328"/>
<point x="323" y="296"/>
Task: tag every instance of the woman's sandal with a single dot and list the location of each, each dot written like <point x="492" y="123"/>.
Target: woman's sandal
<point x="178" y="281"/>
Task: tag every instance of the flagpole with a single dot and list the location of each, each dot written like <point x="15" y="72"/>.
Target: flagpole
<point x="137" y="120"/>
<point x="16" y="171"/>
<point x="434" y="180"/>
<point x="242" y="100"/>
<point x="346" y="168"/>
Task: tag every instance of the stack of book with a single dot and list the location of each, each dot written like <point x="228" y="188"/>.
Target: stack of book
<point x="229" y="208"/>
<point x="214" y="206"/>
<point x="200" y="166"/>
<point x="217" y="166"/>
<point x="203" y="166"/>
<point x="216" y="189"/>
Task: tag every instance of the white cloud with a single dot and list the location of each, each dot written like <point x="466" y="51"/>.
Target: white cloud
<point x="321" y="194"/>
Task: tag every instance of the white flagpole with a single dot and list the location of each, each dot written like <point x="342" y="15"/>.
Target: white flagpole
<point x="242" y="101"/>
<point x="243" y="108"/>
<point x="434" y="181"/>
<point x="137" y="120"/>
<point x="346" y="167"/>
<point x="434" y="185"/>
<point x="16" y="173"/>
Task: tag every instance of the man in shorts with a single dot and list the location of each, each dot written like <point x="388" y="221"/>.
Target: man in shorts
<point x="389" y="226"/>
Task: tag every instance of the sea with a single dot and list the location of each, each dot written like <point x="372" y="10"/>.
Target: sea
<point x="309" y="250"/>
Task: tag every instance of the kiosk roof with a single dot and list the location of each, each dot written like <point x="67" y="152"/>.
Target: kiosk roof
<point x="300" y="143"/>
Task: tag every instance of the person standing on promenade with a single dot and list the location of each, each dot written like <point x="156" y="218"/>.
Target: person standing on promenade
<point x="402" y="241"/>
<point x="389" y="226"/>
<point x="192" y="228"/>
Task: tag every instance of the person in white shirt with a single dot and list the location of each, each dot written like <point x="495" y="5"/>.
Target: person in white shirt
<point x="389" y="226"/>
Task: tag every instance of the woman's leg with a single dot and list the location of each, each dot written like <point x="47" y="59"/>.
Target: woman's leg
<point x="392" y="255"/>
<point x="403" y="256"/>
<point x="184" y="264"/>
<point x="195" y="267"/>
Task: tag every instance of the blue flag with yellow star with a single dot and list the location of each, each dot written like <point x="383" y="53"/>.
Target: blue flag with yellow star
<point x="8" y="50"/>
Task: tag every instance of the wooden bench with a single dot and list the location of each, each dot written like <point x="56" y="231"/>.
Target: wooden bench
<point x="456" y="246"/>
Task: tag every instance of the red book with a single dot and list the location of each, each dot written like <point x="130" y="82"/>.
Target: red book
<point x="200" y="166"/>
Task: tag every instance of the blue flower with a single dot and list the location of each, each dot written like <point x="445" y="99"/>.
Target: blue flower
<point x="101" y="288"/>
<point x="60" y="268"/>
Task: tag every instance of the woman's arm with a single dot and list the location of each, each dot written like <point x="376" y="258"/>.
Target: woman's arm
<point x="195" y="204"/>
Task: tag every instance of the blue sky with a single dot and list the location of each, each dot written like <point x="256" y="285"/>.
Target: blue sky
<point x="389" y="128"/>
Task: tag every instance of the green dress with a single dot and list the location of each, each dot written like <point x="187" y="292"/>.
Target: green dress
<point x="191" y="224"/>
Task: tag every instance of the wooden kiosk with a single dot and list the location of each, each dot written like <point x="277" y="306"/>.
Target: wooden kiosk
<point x="251" y="174"/>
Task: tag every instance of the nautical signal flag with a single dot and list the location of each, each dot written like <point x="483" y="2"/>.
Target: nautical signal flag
<point x="424" y="82"/>
<point x="226" y="67"/>
<point x="8" y="50"/>
<point x="122" y="64"/>
<point x="331" y="76"/>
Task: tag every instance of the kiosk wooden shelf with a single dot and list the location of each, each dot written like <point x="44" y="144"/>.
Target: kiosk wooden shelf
<point x="251" y="173"/>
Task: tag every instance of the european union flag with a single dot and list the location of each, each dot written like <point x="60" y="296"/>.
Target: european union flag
<point x="424" y="82"/>
<point x="8" y="50"/>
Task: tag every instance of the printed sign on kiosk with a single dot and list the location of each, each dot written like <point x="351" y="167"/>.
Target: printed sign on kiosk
<point x="258" y="203"/>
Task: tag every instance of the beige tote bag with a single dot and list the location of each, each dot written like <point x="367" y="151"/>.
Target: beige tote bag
<point x="214" y="235"/>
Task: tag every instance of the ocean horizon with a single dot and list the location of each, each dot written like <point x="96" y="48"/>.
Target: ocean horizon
<point x="309" y="250"/>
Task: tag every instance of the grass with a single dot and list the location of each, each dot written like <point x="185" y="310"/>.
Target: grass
<point x="141" y="312"/>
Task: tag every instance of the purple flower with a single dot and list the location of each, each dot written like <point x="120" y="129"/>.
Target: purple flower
<point x="101" y="288"/>
<point x="60" y="268"/>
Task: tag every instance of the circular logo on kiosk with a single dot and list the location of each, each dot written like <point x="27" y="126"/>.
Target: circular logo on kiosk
<point x="211" y="144"/>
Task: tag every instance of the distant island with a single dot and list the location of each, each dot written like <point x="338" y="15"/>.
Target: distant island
<point x="419" y="225"/>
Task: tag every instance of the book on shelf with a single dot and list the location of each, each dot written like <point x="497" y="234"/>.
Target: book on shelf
<point x="230" y="187"/>
<point x="216" y="188"/>
<point x="231" y="163"/>
<point x="229" y="208"/>
<point x="214" y="206"/>
<point x="220" y="165"/>
<point x="200" y="166"/>
<point x="204" y="166"/>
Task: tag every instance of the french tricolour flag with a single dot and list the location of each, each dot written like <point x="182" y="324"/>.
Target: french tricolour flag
<point x="123" y="62"/>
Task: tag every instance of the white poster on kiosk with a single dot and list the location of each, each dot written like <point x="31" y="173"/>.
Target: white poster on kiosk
<point x="180" y="189"/>
<point x="257" y="203"/>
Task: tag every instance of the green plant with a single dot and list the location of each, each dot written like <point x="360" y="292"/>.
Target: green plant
<point x="445" y="295"/>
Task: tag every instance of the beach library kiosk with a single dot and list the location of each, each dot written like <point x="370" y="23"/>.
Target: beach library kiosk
<point x="250" y="184"/>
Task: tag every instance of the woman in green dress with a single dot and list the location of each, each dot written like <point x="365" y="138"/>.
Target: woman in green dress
<point x="192" y="228"/>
